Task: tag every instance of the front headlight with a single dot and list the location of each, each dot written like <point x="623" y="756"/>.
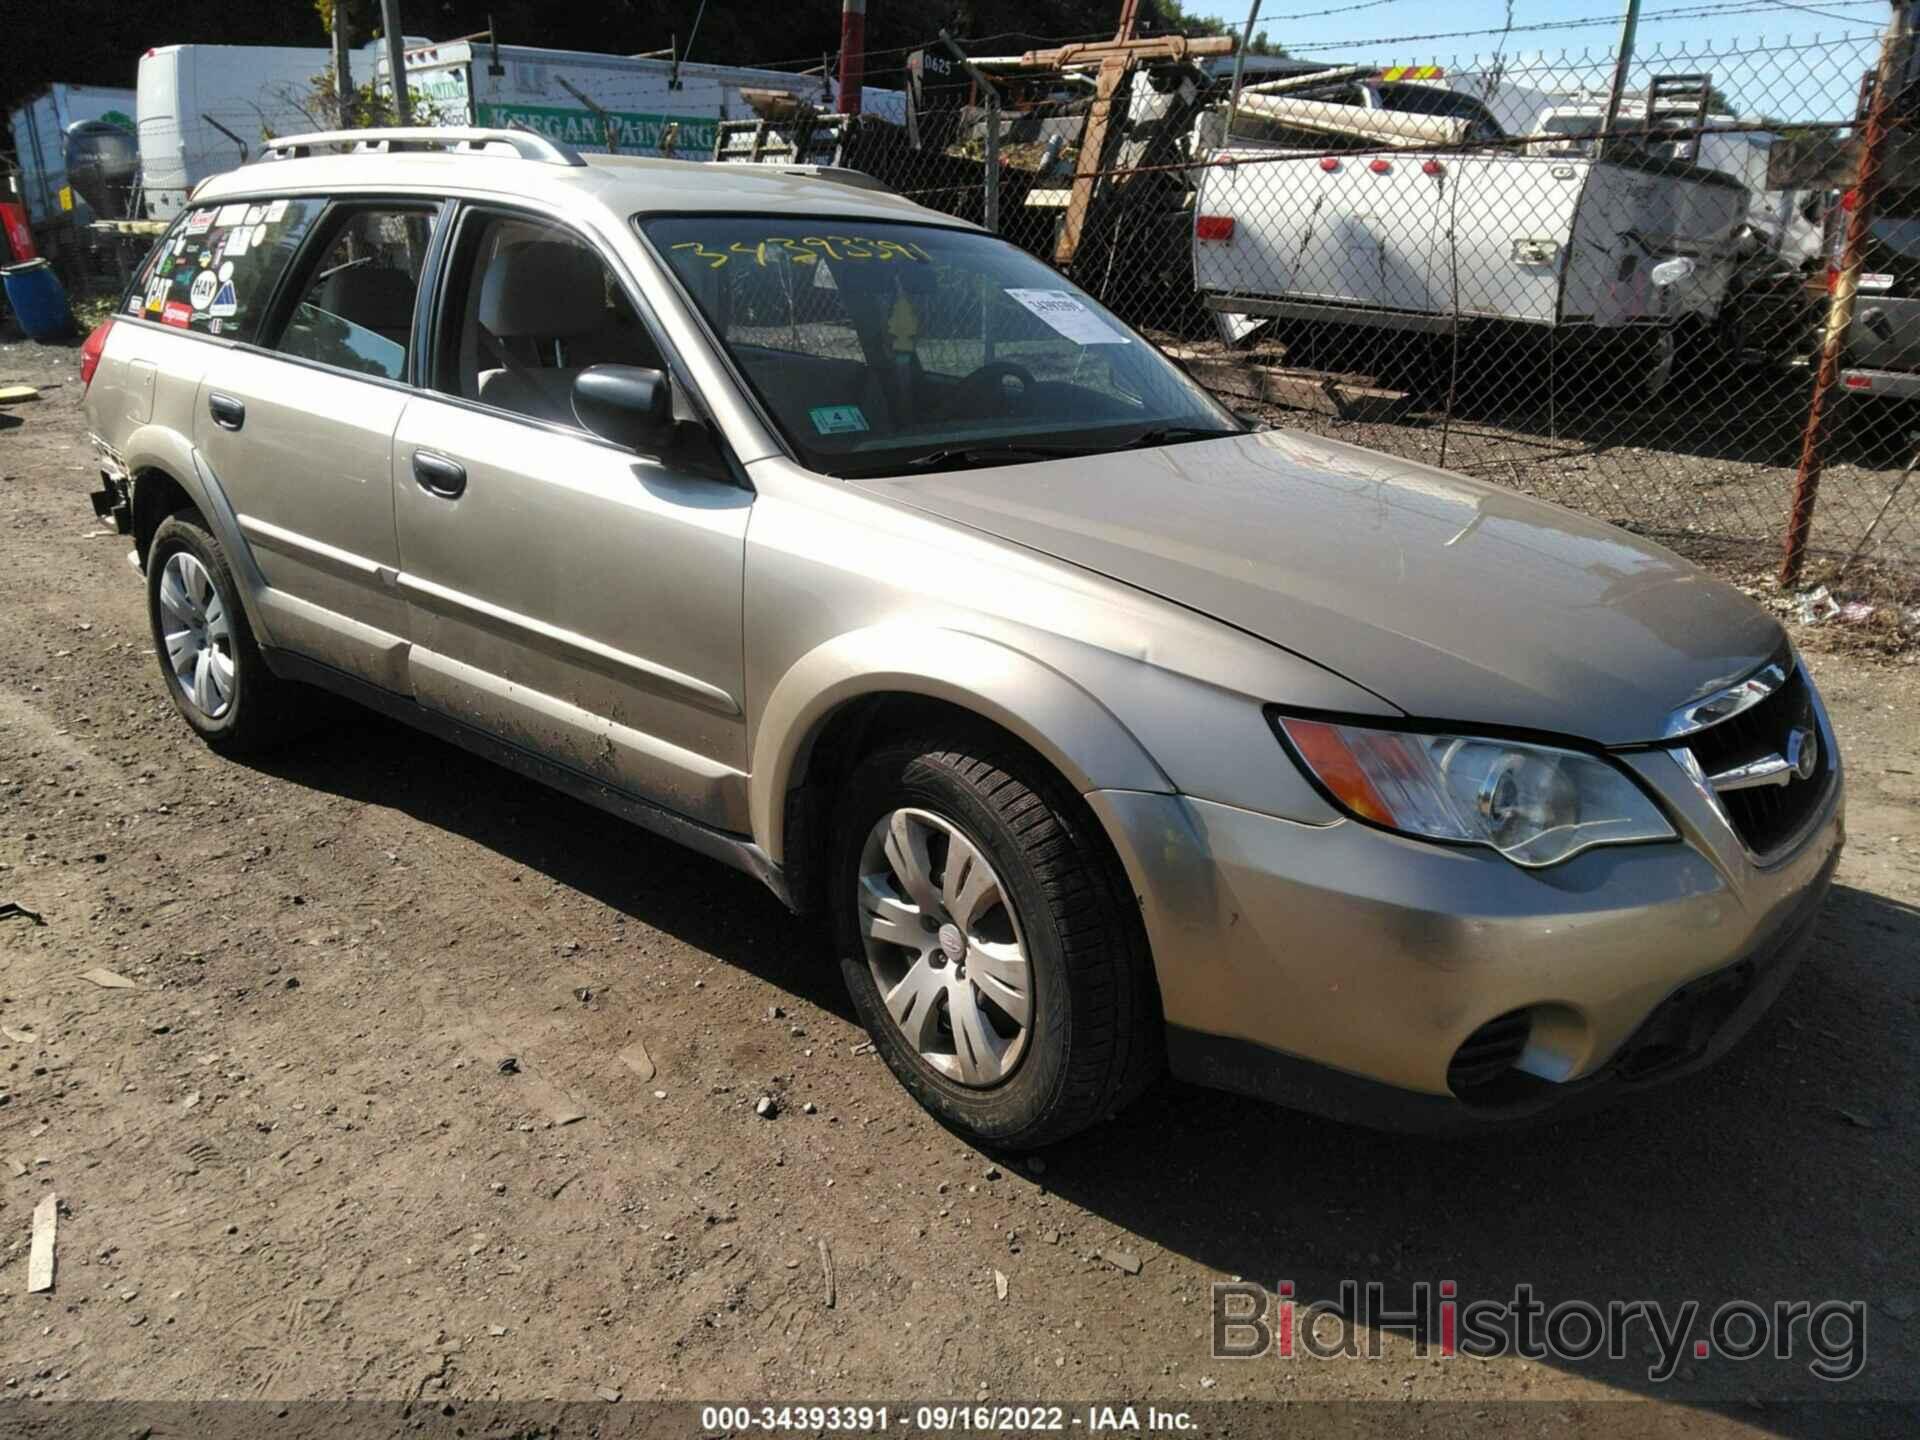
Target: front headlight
<point x="1535" y="804"/>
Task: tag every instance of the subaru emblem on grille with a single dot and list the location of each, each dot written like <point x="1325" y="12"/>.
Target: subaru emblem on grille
<point x="1798" y="759"/>
<point x="1803" y="752"/>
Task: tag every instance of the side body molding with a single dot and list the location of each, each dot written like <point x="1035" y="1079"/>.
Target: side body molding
<point x="1048" y="710"/>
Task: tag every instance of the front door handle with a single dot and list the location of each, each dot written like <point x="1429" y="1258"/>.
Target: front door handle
<point x="228" y="413"/>
<point x="437" y="475"/>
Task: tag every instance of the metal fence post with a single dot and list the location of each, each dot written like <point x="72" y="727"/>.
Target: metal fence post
<point x="1888" y="81"/>
<point x="1629" y="27"/>
<point x="990" y="201"/>
<point x="990" y="184"/>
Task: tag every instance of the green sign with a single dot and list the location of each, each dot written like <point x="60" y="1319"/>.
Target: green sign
<point x="585" y="129"/>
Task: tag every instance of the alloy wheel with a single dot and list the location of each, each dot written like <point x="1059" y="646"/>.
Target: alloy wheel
<point x="198" y="634"/>
<point x="945" y="947"/>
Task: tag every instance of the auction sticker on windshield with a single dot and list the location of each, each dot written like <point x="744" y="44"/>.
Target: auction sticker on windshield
<point x="1068" y="316"/>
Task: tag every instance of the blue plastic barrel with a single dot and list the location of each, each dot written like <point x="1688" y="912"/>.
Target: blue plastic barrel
<point x="38" y="300"/>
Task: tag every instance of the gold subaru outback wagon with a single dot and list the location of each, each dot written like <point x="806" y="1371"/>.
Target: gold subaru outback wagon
<point x="850" y="545"/>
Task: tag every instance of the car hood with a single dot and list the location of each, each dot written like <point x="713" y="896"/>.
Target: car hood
<point x="1452" y="599"/>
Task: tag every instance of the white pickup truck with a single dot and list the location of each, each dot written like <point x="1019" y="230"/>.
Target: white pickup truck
<point x="1390" y="204"/>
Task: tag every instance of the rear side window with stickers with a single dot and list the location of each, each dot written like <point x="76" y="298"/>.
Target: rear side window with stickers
<point x="213" y="271"/>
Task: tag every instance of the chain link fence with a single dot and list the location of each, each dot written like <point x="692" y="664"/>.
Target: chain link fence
<point x="1484" y="265"/>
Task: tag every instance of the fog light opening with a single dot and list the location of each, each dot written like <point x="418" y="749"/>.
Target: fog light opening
<point x="1482" y="1069"/>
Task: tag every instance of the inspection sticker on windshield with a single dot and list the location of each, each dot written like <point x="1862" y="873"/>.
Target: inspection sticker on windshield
<point x="837" y="419"/>
<point x="1068" y="316"/>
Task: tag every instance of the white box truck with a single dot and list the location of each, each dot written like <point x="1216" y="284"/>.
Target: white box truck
<point x="572" y="95"/>
<point x="204" y="109"/>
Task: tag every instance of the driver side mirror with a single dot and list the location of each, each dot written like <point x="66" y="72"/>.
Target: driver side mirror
<point x="627" y="404"/>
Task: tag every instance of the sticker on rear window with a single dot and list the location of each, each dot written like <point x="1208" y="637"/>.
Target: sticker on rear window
<point x="1068" y="316"/>
<point x="837" y="419"/>
<point x="1876" y="282"/>
<point x="199" y="222"/>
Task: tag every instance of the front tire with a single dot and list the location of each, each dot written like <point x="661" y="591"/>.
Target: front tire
<point x="209" y="662"/>
<point x="989" y="941"/>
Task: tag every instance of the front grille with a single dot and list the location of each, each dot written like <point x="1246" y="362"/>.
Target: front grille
<point x="1767" y="816"/>
<point x="1487" y="1055"/>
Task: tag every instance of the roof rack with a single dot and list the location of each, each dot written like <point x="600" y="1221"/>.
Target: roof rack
<point x="527" y="144"/>
<point x="835" y="174"/>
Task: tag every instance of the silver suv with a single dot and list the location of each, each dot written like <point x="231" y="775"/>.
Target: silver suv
<point x="856" y="548"/>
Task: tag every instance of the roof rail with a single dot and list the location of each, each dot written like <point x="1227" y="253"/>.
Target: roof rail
<point x="527" y="144"/>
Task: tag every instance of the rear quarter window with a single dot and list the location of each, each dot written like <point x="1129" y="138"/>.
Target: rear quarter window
<point x="214" y="270"/>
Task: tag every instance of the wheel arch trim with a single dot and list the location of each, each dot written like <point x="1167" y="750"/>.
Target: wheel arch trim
<point x="1032" y="701"/>
<point x="153" y="448"/>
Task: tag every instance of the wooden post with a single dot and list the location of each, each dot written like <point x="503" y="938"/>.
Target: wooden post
<point x="1115" y="60"/>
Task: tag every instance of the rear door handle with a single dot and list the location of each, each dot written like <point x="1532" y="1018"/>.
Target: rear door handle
<point x="228" y="413"/>
<point x="437" y="475"/>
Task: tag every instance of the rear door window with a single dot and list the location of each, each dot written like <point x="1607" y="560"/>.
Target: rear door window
<point x="356" y="299"/>
<point x="213" y="271"/>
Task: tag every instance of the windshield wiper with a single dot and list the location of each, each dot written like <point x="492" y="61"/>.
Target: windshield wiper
<point x="988" y="454"/>
<point x="1173" y="435"/>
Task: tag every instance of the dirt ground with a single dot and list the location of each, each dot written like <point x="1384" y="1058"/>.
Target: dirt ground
<point x="289" y="1164"/>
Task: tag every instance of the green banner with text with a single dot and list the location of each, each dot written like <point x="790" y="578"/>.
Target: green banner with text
<point x="585" y="129"/>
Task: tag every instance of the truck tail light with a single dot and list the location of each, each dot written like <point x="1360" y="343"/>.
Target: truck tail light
<point x="90" y="353"/>
<point x="1433" y="167"/>
<point x="1380" y="167"/>
<point x="1327" y="162"/>
<point x="1213" y="227"/>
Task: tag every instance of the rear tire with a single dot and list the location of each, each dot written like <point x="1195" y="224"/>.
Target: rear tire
<point x="209" y="662"/>
<point x="1058" y="1023"/>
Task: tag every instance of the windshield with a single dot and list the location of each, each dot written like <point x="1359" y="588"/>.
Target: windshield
<point x="883" y="348"/>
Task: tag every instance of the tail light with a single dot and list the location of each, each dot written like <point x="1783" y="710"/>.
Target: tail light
<point x="1213" y="227"/>
<point x="1380" y="167"/>
<point x="1433" y="167"/>
<point x="90" y="353"/>
<point x="1327" y="162"/>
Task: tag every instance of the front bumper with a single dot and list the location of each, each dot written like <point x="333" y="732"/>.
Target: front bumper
<point x="1340" y="968"/>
